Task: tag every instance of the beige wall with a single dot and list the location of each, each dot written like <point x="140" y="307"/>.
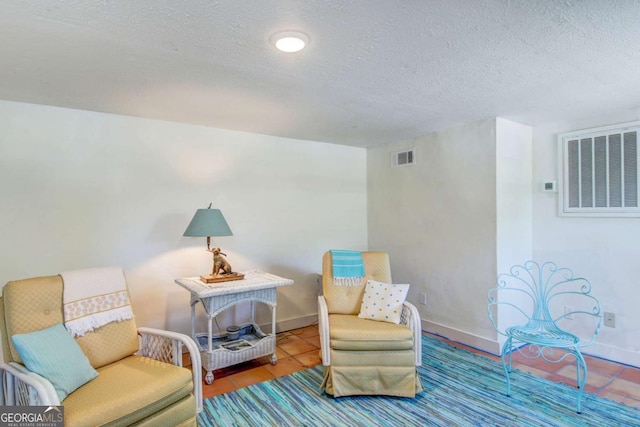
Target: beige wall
<point x="437" y="220"/>
<point x="82" y="189"/>
<point x="604" y="250"/>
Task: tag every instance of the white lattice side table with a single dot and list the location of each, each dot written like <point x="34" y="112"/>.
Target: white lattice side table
<point x="217" y="350"/>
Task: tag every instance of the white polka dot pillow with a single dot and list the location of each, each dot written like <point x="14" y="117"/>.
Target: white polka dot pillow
<point x="383" y="301"/>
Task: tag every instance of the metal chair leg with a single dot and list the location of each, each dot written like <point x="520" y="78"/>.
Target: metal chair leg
<point x="581" y="368"/>
<point x="507" y="357"/>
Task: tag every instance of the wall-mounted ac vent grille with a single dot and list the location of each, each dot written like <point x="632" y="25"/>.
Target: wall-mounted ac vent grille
<point x="601" y="171"/>
<point x="403" y="158"/>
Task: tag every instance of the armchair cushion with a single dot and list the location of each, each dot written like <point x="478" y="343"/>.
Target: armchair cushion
<point x="383" y="301"/>
<point x="110" y="343"/>
<point x="55" y="355"/>
<point x="31" y="305"/>
<point x="36" y="303"/>
<point x="348" y="299"/>
<point x="128" y="391"/>
<point x="351" y="333"/>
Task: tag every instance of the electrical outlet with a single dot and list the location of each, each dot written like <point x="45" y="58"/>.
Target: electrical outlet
<point x="568" y="309"/>
<point x="423" y="298"/>
<point x="609" y="319"/>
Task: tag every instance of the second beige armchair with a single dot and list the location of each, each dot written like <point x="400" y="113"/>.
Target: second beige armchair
<point x="362" y="356"/>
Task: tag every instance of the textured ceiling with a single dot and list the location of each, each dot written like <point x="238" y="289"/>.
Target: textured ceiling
<point x="375" y="71"/>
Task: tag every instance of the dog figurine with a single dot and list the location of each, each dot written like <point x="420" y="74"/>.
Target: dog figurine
<point x="220" y="265"/>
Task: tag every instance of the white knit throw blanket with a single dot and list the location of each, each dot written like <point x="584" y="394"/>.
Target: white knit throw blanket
<point x="93" y="298"/>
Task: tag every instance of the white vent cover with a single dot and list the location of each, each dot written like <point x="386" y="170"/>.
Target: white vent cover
<point x="601" y="171"/>
<point x="403" y="158"/>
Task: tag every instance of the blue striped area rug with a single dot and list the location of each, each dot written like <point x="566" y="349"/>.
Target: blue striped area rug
<point x="460" y="389"/>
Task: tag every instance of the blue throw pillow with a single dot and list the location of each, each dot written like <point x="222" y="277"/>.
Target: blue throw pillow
<point x="55" y="355"/>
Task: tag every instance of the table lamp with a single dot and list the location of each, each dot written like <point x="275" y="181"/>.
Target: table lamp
<point x="206" y="223"/>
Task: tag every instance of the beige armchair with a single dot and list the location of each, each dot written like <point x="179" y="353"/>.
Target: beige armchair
<point x="361" y="356"/>
<point x="140" y="379"/>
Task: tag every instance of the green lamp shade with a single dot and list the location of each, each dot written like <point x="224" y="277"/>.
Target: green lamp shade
<point x="208" y="222"/>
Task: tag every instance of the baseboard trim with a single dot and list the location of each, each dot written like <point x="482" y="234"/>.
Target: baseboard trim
<point x="601" y="351"/>
<point x="294" y="323"/>
<point x="614" y="354"/>
<point x="457" y="335"/>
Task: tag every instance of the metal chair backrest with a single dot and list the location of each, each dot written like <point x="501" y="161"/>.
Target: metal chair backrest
<point x="545" y="300"/>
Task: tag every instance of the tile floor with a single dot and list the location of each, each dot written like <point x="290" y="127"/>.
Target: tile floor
<point x="299" y="349"/>
<point x="606" y="379"/>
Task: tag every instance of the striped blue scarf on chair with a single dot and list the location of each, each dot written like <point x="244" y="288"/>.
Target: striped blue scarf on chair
<point x="348" y="268"/>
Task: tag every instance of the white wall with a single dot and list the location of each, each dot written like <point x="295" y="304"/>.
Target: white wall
<point x="514" y="208"/>
<point x="82" y="189"/>
<point x="437" y="220"/>
<point x="604" y="250"/>
<point x="473" y="205"/>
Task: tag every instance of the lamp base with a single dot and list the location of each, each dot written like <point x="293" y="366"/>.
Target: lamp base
<point x="215" y="278"/>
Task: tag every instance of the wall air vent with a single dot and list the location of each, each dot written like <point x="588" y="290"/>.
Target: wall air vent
<point x="600" y="171"/>
<point x="403" y="158"/>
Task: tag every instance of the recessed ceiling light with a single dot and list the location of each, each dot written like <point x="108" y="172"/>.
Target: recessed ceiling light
<point x="289" y="41"/>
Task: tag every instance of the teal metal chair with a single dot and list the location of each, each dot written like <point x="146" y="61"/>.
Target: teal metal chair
<point x="544" y="311"/>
